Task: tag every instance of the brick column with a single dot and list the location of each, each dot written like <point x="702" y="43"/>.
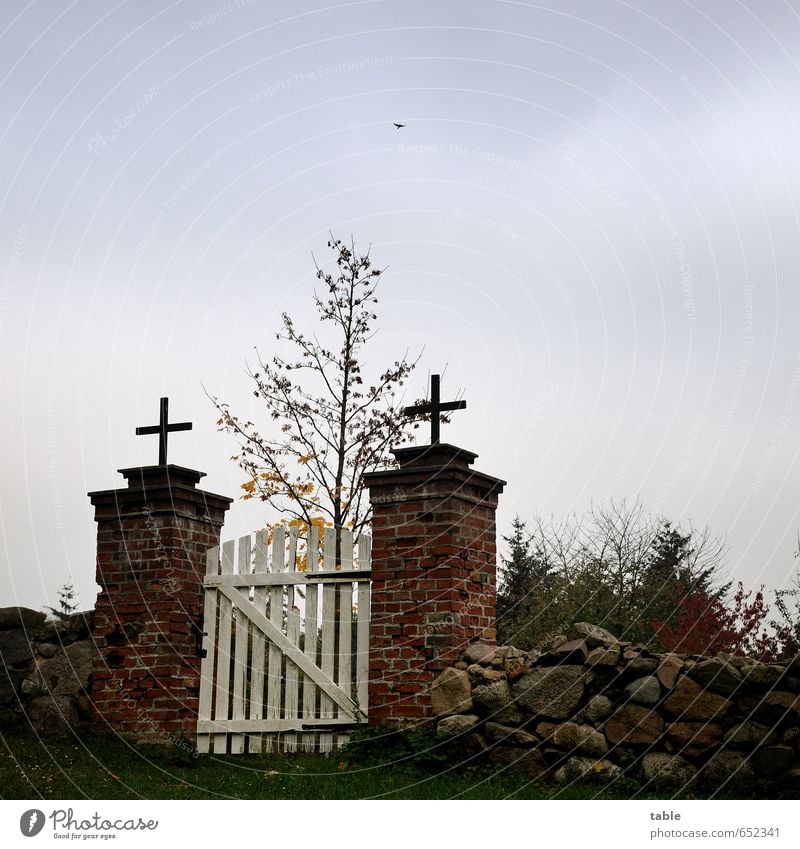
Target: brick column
<point x="152" y="540"/>
<point x="433" y="574"/>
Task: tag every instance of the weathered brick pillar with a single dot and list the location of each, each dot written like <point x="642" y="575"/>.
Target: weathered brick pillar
<point x="433" y="574"/>
<point x="152" y="540"/>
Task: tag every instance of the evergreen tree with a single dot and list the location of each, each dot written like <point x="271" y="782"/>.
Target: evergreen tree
<point x="527" y="590"/>
<point x="516" y="581"/>
<point x="67" y="602"/>
<point x="677" y="581"/>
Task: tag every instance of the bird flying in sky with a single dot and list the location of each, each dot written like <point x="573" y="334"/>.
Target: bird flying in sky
<point x="399" y="125"/>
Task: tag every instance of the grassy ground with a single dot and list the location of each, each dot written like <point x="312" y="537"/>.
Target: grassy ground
<point x="95" y="767"/>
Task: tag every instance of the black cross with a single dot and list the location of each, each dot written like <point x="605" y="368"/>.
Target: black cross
<point x="162" y="429"/>
<point x="435" y="408"/>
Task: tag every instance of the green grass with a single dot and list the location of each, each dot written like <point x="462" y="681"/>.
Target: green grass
<point x="97" y="767"/>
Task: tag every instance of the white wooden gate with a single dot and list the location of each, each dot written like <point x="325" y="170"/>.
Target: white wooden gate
<point x="286" y="640"/>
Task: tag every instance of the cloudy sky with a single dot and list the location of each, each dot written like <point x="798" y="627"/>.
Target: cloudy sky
<point x="588" y="225"/>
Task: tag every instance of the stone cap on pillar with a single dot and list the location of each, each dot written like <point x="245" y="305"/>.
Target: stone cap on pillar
<point x="423" y="464"/>
<point x="140" y="476"/>
<point x="438" y="455"/>
<point x="160" y="489"/>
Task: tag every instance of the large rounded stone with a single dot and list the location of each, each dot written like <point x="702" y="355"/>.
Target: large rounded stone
<point x="669" y="669"/>
<point x="508" y="735"/>
<point x="634" y="725"/>
<point x="748" y="734"/>
<point x="509" y="653"/>
<point x="15" y="648"/>
<point x="772" y="760"/>
<point x="490" y="699"/>
<point x="546" y="729"/>
<point x="773" y="708"/>
<point x="451" y="692"/>
<point x="639" y="665"/>
<point x="84" y="705"/>
<point x="580" y="739"/>
<point x="598" y="708"/>
<point x="47" y="650"/>
<point x="68" y="673"/>
<point x="644" y="691"/>
<point x="547" y="643"/>
<point x="30" y="685"/>
<point x="480" y="653"/>
<point x="791" y="681"/>
<point x="21" y="617"/>
<point x="602" y="656"/>
<point x="554" y="691"/>
<point x="689" y="701"/>
<point x="573" y="651"/>
<point x="717" y="675"/>
<point x="511" y="715"/>
<point x="762" y="675"/>
<point x="594" y="635"/>
<point x="728" y="771"/>
<point x="453" y="726"/>
<point x="79" y="625"/>
<point x="587" y="769"/>
<point x="489" y="673"/>
<point x="695" y="738"/>
<point x="51" y="716"/>
<point x="668" y="769"/>
<point x="792" y="735"/>
<point x="529" y="762"/>
<point x="8" y="694"/>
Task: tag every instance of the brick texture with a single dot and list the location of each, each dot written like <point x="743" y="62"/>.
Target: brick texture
<point x="152" y="539"/>
<point x="433" y="574"/>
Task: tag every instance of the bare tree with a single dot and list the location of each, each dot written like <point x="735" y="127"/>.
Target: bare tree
<point x="329" y="426"/>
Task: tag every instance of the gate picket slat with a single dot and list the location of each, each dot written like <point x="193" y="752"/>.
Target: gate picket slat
<point x="292" y="672"/>
<point x="344" y="676"/>
<point x="310" y="639"/>
<point x="224" y="651"/>
<point x="209" y="647"/>
<point x="328" y="659"/>
<point x="240" y="650"/>
<point x="345" y="613"/>
<point x="293" y="634"/>
<point x="291" y="562"/>
<point x="362" y="626"/>
<point x="276" y="618"/>
<point x="257" y="670"/>
<point x="284" y="668"/>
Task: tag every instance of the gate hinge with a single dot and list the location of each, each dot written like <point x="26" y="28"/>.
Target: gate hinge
<point x="199" y="633"/>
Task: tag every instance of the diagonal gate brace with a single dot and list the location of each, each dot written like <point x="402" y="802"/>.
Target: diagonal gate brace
<point x="279" y="639"/>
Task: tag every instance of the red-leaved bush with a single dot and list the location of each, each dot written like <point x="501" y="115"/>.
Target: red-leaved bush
<point x="703" y="625"/>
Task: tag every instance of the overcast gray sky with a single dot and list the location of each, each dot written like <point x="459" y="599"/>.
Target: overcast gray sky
<point x="589" y="220"/>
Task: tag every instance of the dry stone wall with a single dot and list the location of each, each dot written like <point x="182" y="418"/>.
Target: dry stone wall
<point x="588" y="705"/>
<point x="44" y="670"/>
